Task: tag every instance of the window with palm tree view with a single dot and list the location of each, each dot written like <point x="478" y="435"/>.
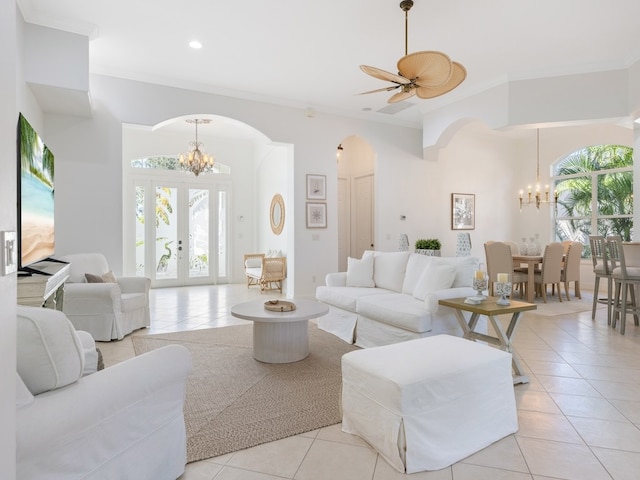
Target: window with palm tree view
<point x="595" y="194"/>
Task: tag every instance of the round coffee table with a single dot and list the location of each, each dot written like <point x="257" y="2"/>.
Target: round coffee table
<point x="280" y="337"/>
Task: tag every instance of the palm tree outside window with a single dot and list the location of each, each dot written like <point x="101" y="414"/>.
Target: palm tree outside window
<point x="595" y="194"/>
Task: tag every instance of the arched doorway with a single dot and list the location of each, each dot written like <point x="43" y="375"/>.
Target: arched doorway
<point x="179" y="228"/>
<point x="356" y="199"/>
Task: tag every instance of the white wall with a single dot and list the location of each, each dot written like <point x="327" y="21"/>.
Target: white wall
<point x="89" y="211"/>
<point x="9" y="99"/>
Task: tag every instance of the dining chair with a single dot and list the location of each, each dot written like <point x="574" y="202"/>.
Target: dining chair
<point x="571" y="269"/>
<point x="625" y="270"/>
<point x="601" y="269"/>
<point x="551" y="271"/>
<point x="500" y="260"/>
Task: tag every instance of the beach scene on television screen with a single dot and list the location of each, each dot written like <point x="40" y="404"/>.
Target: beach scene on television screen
<point x="36" y="196"/>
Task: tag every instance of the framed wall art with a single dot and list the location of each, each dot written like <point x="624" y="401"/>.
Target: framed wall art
<point x="316" y="187"/>
<point x="316" y="215"/>
<point x="463" y="211"/>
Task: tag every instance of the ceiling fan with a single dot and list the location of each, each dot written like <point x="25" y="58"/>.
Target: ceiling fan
<point x="427" y="74"/>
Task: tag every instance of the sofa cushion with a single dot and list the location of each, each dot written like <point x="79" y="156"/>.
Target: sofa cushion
<point x="415" y="266"/>
<point x="435" y="277"/>
<point x="49" y="353"/>
<point x="465" y="266"/>
<point x="345" y="297"/>
<point x="389" y="269"/>
<point x="360" y="272"/>
<point x="396" y="309"/>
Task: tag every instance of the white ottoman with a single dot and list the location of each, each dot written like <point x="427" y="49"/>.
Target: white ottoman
<point x="425" y="404"/>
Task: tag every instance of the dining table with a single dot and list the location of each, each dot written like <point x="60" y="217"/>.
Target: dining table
<point x="531" y="261"/>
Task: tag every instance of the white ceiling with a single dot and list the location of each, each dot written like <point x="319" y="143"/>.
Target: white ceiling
<point x="307" y="53"/>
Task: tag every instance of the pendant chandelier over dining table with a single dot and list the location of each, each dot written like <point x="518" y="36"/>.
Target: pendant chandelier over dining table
<point x="196" y="161"/>
<point x="534" y="195"/>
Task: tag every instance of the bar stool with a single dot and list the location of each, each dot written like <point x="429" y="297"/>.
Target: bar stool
<point x="626" y="278"/>
<point x="601" y="269"/>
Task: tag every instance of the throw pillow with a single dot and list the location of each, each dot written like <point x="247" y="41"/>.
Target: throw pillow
<point x="389" y="270"/>
<point x="49" y="353"/>
<point x="253" y="262"/>
<point x="415" y="266"/>
<point x="108" y="277"/>
<point x="360" y="272"/>
<point x="91" y="278"/>
<point x="465" y="266"/>
<point x="435" y="277"/>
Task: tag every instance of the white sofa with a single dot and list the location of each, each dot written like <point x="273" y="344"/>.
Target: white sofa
<point x="390" y="297"/>
<point x="125" y="421"/>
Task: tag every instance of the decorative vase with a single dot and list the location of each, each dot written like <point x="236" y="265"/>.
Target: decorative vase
<point x="403" y="243"/>
<point x="524" y="248"/>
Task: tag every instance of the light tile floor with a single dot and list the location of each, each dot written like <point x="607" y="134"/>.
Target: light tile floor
<point x="579" y="418"/>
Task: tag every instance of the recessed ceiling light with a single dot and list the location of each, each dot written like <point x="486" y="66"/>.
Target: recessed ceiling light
<point x="195" y="44"/>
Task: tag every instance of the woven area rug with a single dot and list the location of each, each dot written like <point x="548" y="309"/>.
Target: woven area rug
<point x="234" y="402"/>
<point x="553" y="307"/>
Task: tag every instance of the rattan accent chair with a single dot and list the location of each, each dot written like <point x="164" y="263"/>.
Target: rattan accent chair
<point x="266" y="272"/>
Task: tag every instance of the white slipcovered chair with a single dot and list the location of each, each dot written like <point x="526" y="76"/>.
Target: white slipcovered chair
<point x="125" y="421"/>
<point x="107" y="310"/>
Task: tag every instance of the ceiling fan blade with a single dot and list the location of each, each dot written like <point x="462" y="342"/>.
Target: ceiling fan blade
<point x="385" y="89"/>
<point x="428" y="68"/>
<point x="403" y="95"/>
<point x="383" y="75"/>
<point x="457" y="77"/>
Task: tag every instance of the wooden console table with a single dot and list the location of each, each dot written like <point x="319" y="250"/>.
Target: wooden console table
<point x="39" y="290"/>
<point x="491" y="310"/>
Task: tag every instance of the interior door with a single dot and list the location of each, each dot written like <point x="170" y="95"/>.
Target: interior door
<point x="362" y="215"/>
<point x="344" y="236"/>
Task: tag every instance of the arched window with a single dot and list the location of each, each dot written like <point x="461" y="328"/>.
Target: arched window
<point x="595" y="193"/>
<point x="172" y="163"/>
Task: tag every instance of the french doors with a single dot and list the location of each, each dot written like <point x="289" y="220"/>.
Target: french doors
<point x="180" y="234"/>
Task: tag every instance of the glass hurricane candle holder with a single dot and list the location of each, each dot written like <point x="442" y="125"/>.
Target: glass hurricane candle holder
<point x="503" y="290"/>
<point x="480" y="284"/>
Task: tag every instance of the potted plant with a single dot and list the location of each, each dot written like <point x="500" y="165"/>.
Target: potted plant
<point x="428" y="246"/>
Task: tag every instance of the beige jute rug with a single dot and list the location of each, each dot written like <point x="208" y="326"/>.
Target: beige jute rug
<point x="234" y="402"/>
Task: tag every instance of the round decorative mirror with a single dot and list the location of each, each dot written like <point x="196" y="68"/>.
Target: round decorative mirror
<point x="277" y="214"/>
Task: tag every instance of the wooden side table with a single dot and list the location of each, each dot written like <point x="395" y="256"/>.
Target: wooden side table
<point x="491" y="310"/>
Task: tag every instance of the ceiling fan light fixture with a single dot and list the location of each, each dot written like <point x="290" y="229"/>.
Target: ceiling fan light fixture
<point x="427" y="73"/>
<point x="427" y="68"/>
<point x="459" y="73"/>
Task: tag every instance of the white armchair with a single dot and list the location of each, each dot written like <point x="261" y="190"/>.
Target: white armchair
<point x="125" y="421"/>
<point x="108" y="311"/>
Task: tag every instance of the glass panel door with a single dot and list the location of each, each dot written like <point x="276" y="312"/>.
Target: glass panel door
<point x="198" y="233"/>
<point x="180" y="234"/>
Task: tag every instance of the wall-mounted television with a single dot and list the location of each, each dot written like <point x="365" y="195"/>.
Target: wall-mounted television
<point x="36" y="226"/>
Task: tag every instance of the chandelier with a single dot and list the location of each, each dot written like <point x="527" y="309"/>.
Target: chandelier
<point x="534" y="195"/>
<point x="196" y="161"/>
